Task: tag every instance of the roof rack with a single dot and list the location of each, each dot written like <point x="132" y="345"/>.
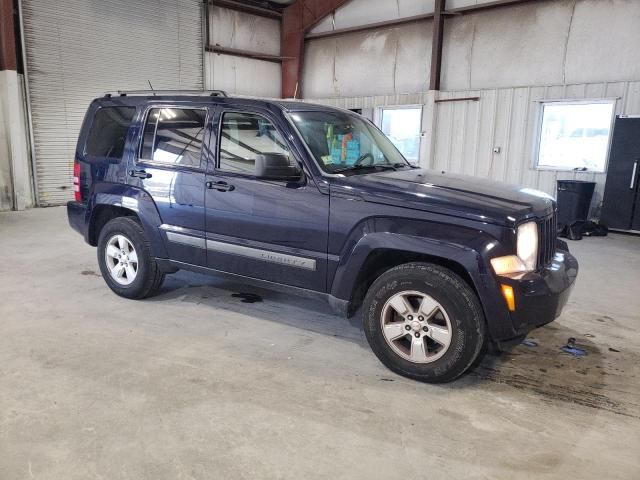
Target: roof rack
<point x="125" y="93"/>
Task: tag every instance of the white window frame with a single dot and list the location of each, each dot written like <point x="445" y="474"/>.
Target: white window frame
<point x="538" y="132"/>
<point x="379" y="112"/>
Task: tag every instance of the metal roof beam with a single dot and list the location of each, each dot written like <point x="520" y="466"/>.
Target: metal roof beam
<point x="436" y="45"/>
<point x="298" y="18"/>
<point x="244" y="53"/>
<point x="247" y="7"/>
<point x="8" y="56"/>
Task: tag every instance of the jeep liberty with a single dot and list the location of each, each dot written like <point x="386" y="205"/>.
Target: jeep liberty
<point x="317" y="200"/>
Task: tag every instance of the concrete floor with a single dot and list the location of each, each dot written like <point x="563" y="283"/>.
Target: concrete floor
<point x="196" y="384"/>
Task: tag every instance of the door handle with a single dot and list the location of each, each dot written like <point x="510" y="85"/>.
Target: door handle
<point x="139" y="174"/>
<point x="633" y="175"/>
<point x="220" y="186"/>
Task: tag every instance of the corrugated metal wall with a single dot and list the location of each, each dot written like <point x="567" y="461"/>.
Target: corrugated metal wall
<point x="384" y="61"/>
<point x="78" y="49"/>
<point x="363" y="12"/>
<point x="552" y="42"/>
<point x="511" y="58"/>
<point x="242" y="31"/>
<point x="464" y="134"/>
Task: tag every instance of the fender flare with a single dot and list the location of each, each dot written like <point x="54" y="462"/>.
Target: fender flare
<point x="469" y="258"/>
<point x="348" y="269"/>
<point x="135" y="200"/>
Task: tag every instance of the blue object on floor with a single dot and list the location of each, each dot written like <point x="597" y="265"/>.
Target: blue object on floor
<point x="571" y="348"/>
<point x="575" y="351"/>
<point x="529" y="343"/>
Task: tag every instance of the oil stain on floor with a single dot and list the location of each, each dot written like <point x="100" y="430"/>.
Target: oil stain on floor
<point x="603" y="379"/>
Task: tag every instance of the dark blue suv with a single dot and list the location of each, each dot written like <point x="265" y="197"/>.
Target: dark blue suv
<point x="317" y="200"/>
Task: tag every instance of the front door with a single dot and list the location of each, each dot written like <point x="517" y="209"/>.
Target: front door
<point x="170" y="167"/>
<point x="266" y="229"/>
<point x="621" y="204"/>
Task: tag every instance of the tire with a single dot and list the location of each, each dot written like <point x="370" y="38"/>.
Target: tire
<point x="434" y="347"/>
<point x="146" y="278"/>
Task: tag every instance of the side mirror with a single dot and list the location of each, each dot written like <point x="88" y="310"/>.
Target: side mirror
<point x="276" y="166"/>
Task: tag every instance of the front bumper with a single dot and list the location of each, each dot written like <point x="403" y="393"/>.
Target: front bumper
<point x="540" y="296"/>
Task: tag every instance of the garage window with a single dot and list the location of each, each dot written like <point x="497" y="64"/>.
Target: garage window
<point x="108" y="132"/>
<point x="174" y="136"/>
<point x="403" y="126"/>
<point x="575" y="135"/>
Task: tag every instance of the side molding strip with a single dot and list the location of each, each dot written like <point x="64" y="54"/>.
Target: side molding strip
<point x="186" y="240"/>
<point x="259" y="254"/>
<point x="233" y="249"/>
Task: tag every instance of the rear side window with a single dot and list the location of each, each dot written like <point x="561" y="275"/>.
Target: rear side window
<point x="174" y="136"/>
<point x="108" y="132"/>
<point x="242" y="137"/>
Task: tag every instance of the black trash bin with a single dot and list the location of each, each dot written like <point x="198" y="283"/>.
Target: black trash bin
<point x="574" y="199"/>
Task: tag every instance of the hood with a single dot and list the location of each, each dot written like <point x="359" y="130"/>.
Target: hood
<point x="440" y="192"/>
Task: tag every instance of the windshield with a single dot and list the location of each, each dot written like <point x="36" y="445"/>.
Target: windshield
<point x="344" y="143"/>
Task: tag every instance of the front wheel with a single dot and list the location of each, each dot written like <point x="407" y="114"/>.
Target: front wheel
<point x="125" y="259"/>
<point x="424" y="322"/>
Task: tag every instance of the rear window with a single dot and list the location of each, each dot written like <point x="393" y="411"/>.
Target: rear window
<point x="174" y="136"/>
<point x="108" y="132"/>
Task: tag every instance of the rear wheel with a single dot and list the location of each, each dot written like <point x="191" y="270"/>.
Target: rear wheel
<point x="125" y="259"/>
<point x="424" y="322"/>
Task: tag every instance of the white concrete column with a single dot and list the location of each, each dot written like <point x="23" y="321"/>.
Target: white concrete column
<point x="16" y="190"/>
<point x="428" y="141"/>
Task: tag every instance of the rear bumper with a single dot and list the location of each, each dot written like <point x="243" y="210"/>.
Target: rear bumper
<point x="540" y="296"/>
<point x="77" y="214"/>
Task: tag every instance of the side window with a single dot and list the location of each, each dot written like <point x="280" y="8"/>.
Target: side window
<point x="242" y="137"/>
<point x="108" y="132"/>
<point x="174" y="136"/>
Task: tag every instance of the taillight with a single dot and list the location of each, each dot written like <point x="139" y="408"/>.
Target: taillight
<point x="76" y="182"/>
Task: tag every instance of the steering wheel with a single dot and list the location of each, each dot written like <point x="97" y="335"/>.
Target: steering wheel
<point x="363" y="157"/>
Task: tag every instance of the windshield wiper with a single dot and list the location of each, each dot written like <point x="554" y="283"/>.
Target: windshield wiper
<point x="364" y="167"/>
<point x="387" y="167"/>
<point x="368" y="167"/>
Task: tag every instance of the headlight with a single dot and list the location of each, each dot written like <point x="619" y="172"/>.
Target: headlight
<point x="528" y="244"/>
<point x="527" y="252"/>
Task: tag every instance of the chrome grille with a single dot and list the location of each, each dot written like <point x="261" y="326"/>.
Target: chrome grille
<point x="547" y="235"/>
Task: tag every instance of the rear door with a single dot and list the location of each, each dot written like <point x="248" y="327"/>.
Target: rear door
<point x="266" y="229"/>
<point x="170" y="167"/>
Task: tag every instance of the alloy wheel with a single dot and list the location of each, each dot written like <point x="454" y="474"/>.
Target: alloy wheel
<point x="416" y="326"/>
<point x="121" y="259"/>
